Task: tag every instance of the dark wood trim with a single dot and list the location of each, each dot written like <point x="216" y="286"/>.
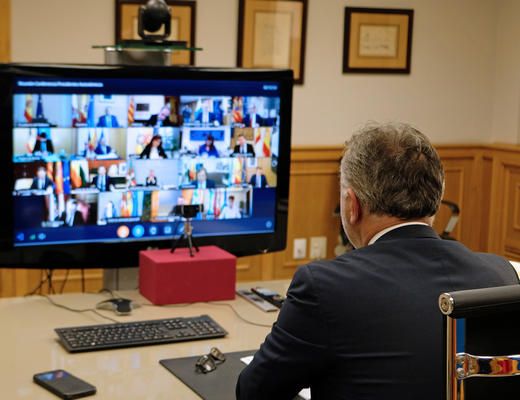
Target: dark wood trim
<point x="346" y="40"/>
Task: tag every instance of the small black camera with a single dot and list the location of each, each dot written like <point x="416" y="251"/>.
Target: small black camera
<point x="152" y="17"/>
<point x="188" y="211"/>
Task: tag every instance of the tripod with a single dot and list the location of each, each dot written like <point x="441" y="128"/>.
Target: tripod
<point x="188" y="234"/>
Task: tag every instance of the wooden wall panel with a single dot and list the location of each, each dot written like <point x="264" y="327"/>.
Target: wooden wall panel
<point x="504" y="227"/>
<point x="5" y="30"/>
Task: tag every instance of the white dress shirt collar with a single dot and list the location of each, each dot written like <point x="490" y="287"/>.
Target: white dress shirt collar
<point x="391" y="228"/>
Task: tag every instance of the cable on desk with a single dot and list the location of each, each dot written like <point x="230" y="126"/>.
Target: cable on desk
<point x="239" y="316"/>
<point x="64" y="281"/>
<point x="45" y="277"/>
<point x="79" y="310"/>
<point x="210" y="303"/>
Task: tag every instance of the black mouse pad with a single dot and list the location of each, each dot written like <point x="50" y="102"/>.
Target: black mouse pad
<point x="217" y="385"/>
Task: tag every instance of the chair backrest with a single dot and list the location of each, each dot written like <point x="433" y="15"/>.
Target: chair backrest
<point x="482" y="335"/>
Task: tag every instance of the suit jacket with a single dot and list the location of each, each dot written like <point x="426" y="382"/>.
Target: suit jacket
<point x="108" y="182"/>
<point x="212" y="117"/>
<point x="362" y="325"/>
<point x="153" y="121"/>
<point x="210" y="184"/>
<point x="99" y="149"/>
<point x="103" y="123"/>
<point x="77" y="220"/>
<point x="263" y="181"/>
<point x="38" y="146"/>
<point x="247" y="121"/>
<point x="148" y="149"/>
<point x="151" y="181"/>
<point x="250" y="149"/>
<point x="47" y="182"/>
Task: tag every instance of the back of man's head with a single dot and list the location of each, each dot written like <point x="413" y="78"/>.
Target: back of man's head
<point x="394" y="170"/>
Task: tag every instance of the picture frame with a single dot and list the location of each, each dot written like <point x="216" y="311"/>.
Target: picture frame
<point x="272" y="34"/>
<point x="377" y="40"/>
<point x="182" y="27"/>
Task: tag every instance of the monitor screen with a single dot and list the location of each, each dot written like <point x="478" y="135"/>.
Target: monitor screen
<point x="101" y="157"/>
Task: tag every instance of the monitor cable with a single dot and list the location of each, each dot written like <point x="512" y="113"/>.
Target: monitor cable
<point x="78" y="310"/>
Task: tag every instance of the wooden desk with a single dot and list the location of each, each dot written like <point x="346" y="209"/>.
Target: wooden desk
<point x="28" y="345"/>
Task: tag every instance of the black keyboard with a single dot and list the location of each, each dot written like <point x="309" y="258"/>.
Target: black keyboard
<point x="140" y="333"/>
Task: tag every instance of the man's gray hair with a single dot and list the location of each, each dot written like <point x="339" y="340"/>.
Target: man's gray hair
<point x="394" y="170"/>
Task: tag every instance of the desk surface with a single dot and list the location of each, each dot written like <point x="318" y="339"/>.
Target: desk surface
<point x="28" y="344"/>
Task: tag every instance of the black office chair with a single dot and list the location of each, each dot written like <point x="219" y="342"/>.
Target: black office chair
<point x="481" y="326"/>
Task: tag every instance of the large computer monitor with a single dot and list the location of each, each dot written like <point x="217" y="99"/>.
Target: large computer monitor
<point x="96" y="159"/>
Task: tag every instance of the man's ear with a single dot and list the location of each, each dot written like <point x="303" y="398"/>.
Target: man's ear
<point x="354" y="207"/>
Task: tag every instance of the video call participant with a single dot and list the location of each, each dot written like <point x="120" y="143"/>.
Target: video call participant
<point x="72" y="216"/>
<point x="162" y="118"/>
<point x="151" y="179"/>
<point x="102" y="181"/>
<point x="205" y="116"/>
<point x="361" y="326"/>
<point x="102" y="147"/>
<point x="41" y="181"/>
<point x="230" y="210"/>
<point x="258" y="180"/>
<point x="154" y="149"/>
<point x="202" y="181"/>
<point x="208" y="148"/>
<point x="108" y="120"/>
<point x="252" y="119"/>
<point x="243" y="148"/>
<point x="43" y="144"/>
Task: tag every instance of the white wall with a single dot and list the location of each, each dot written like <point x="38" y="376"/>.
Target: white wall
<point x="449" y="94"/>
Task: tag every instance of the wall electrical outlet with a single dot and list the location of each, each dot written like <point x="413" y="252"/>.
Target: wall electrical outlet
<point x="299" y="248"/>
<point x="318" y="247"/>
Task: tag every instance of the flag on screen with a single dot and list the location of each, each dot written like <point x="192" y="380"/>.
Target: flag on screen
<point x="39" y="108"/>
<point x="58" y="177"/>
<point x="238" y="109"/>
<point x="78" y="177"/>
<point x="131" y="111"/>
<point x="66" y="177"/>
<point x="238" y="164"/>
<point x="50" y="171"/>
<point x="28" y="115"/>
<point x="125" y="212"/>
<point x="267" y="143"/>
<point x="90" y="112"/>
<point x="92" y="140"/>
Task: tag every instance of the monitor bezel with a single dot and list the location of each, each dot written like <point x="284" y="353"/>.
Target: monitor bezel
<point x="126" y="254"/>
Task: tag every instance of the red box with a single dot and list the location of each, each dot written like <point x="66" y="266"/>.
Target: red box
<point x="169" y="278"/>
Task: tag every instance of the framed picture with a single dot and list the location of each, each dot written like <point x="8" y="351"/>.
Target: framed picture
<point x="377" y="40"/>
<point x="271" y="34"/>
<point x="182" y="26"/>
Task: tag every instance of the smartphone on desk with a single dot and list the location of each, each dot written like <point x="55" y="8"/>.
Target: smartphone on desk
<point x="64" y="385"/>
<point x="269" y="295"/>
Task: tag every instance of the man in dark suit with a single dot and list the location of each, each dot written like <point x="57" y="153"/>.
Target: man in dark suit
<point x="205" y="116"/>
<point x="72" y="216"/>
<point x="102" y="181"/>
<point x="41" y="181"/>
<point x="258" y="180"/>
<point x="253" y="119"/>
<point x="43" y="145"/>
<point x="202" y="181"/>
<point x="366" y="325"/>
<point x="108" y="120"/>
<point x="243" y="148"/>
<point x="162" y="118"/>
